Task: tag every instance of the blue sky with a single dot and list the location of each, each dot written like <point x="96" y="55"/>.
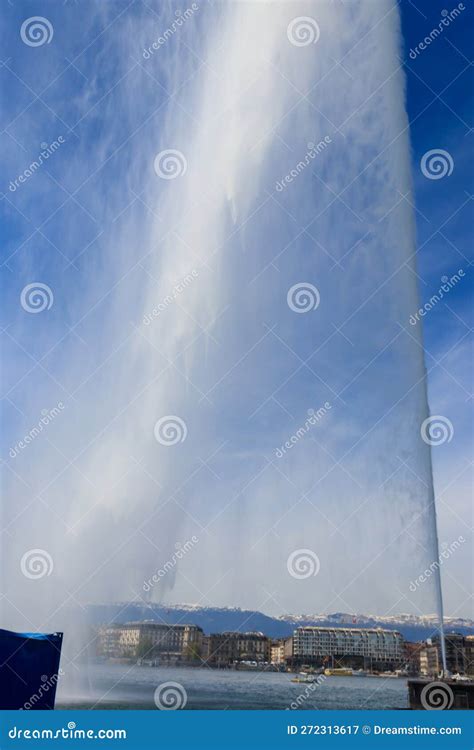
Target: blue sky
<point x="216" y="252"/>
<point x="439" y="103"/>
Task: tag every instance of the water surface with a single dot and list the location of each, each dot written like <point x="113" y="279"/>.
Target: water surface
<point x="121" y="686"/>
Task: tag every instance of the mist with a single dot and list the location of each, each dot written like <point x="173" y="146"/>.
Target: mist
<point x="229" y="336"/>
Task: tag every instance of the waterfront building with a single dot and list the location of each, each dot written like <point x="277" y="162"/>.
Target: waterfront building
<point x="375" y="648"/>
<point x="469" y="654"/>
<point x="150" y="640"/>
<point x="412" y="653"/>
<point x="231" y="647"/>
<point x="205" y="648"/>
<point x="277" y="652"/>
<point x="455" y="652"/>
<point x="288" y="649"/>
<point x="117" y="642"/>
<point x="429" y="661"/>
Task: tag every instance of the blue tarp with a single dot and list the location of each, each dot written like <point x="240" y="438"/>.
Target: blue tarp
<point x="29" y="669"/>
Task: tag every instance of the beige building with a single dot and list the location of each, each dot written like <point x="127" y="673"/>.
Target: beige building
<point x="281" y="650"/>
<point x="277" y="652"/>
<point x="150" y="640"/>
<point x="429" y="661"/>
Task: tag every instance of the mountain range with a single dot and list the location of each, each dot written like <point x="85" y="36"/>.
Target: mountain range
<point x="221" y="619"/>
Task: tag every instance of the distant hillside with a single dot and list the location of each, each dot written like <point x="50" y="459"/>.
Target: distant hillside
<point x="217" y="620"/>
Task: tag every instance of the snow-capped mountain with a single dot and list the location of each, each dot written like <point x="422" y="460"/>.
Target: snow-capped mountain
<point x="220" y="619"/>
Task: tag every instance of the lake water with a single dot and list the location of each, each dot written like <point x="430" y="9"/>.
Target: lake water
<point x="121" y="686"/>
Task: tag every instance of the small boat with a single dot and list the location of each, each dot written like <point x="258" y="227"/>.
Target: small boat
<point x="307" y="680"/>
<point x="338" y="672"/>
<point x="311" y="670"/>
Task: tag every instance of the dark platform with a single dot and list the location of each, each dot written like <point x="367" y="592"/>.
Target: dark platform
<point x="29" y="670"/>
<point x="440" y="694"/>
